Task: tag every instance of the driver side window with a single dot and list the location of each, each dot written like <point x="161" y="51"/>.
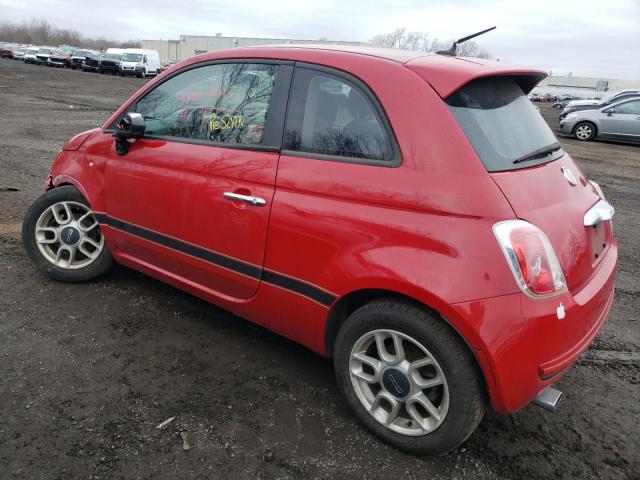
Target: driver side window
<point x="632" y="107"/>
<point x="221" y="103"/>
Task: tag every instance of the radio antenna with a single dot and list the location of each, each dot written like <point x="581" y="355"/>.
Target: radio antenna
<point x="452" y="51"/>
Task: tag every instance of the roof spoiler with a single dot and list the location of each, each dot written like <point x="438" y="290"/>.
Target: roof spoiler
<point x="452" y="51"/>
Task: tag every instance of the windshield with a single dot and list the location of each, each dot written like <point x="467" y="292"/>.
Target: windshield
<point x="131" y="57"/>
<point x="32" y="50"/>
<point x="502" y="124"/>
<point x="111" y="56"/>
<point x="45" y="50"/>
<point x="82" y="53"/>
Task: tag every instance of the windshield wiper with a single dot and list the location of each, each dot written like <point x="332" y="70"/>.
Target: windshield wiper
<point x="539" y="153"/>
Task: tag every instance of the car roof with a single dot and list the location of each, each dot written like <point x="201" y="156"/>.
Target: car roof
<point x="444" y="73"/>
<point x="620" y="101"/>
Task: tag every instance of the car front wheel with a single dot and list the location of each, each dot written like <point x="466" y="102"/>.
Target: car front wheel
<point x="63" y="238"/>
<point x="408" y="377"/>
<point x="584" y="131"/>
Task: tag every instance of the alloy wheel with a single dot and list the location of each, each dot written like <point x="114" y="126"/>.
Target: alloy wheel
<point x="68" y="236"/>
<point x="584" y="132"/>
<point x="399" y="382"/>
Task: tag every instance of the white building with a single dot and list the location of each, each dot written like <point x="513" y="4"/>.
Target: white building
<point x="190" y="45"/>
<point x="584" y="87"/>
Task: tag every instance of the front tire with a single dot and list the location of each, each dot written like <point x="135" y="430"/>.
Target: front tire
<point x="62" y="237"/>
<point x="408" y="377"/>
<point x="584" y="131"/>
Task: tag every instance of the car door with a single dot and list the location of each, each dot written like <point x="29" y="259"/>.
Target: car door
<point x="192" y="198"/>
<point x="622" y="120"/>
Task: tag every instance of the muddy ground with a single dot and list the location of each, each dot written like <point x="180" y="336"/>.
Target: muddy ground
<point x="88" y="371"/>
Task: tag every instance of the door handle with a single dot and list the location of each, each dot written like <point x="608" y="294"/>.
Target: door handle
<point x="257" y="201"/>
<point x="599" y="212"/>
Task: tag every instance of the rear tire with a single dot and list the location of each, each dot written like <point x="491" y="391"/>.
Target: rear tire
<point x="434" y="364"/>
<point x="584" y="131"/>
<point x="62" y="237"/>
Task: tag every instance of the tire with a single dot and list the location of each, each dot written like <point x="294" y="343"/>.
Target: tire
<point x="584" y="131"/>
<point x="85" y="267"/>
<point x="101" y="71"/>
<point x="459" y="399"/>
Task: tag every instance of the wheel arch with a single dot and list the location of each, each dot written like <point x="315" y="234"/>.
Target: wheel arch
<point x="66" y="180"/>
<point x="350" y="302"/>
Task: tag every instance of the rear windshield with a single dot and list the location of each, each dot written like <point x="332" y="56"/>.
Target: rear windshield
<point x="505" y="129"/>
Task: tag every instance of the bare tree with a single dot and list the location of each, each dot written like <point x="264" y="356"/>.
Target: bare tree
<point x="422" y="42"/>
<point x="40" y="32"/>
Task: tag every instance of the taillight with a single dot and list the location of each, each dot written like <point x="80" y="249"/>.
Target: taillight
<point x="531" y="258"/>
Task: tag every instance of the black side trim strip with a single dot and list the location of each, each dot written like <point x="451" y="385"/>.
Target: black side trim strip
<point x="247" y="269"/>
<point x="298" y="286"/>
<point x="206" y="255"/>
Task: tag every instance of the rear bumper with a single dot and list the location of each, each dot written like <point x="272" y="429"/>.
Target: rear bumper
<point x="525" y="345"/>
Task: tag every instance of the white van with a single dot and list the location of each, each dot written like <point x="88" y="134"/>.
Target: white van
<point x="140" y="62"/>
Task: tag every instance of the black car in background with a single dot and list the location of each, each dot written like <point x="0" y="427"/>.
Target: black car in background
<point x="110" y="63"/>
<point x="78" y="58"/>
<point x="598" y="105"/>
<point x="92" y="63"/>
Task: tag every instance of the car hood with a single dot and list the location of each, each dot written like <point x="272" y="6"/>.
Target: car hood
<point x="574" y="103"/>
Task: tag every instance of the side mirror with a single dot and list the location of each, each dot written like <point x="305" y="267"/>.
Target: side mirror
<point x="130" y="127"/>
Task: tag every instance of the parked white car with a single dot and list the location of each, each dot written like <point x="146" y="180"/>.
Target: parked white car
<point x="30" y="55"/>
<point x="140" y="62"/>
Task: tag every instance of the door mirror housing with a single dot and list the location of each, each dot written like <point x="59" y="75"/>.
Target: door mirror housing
<point x="130" y="127"/>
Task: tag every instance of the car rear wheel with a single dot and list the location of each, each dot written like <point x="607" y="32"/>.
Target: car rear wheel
<point x="584" y="131"/>
<point x="408" y="377"/>
<point x="62" y="237"/>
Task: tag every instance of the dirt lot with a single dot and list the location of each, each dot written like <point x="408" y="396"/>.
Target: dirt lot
<point x="88" y="371"/>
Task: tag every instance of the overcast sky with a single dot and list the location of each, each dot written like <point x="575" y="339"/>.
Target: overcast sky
<point x="599" y="38"/>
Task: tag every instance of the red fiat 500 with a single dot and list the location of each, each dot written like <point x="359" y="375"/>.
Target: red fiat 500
<point x="411" y="216"/>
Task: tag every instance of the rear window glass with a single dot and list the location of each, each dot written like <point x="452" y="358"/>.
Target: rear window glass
<point x="503" y="126"/>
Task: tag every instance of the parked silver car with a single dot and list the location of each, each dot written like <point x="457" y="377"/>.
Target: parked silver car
<point x="620" y="121"/>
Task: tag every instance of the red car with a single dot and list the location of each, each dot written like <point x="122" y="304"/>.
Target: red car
<point x="7" y="51"/>
<point x="60" y="58"/>
<point x="411" y="216"/>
